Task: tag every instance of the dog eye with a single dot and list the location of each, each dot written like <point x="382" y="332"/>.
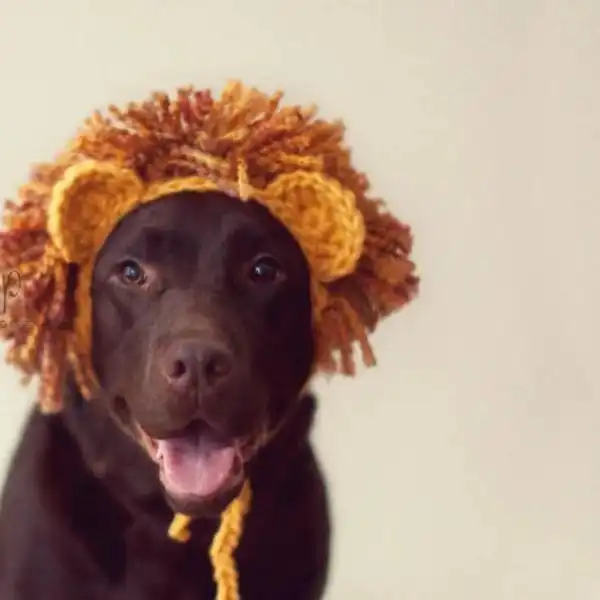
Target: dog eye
<point x="131" y="273"/>
<point x="266" y="269"/>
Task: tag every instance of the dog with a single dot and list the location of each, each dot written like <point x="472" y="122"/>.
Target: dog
<point x="202" y="342"/>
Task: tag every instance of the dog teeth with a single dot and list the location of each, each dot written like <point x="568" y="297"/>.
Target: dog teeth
<point x="158" y="452"/>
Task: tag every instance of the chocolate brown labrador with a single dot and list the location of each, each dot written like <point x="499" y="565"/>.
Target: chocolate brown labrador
<point x="203" y="346"/>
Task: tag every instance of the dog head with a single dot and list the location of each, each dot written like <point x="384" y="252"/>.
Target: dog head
<point x="202" y="337"/>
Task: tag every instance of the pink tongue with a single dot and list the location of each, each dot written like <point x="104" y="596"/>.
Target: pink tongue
<point x="193" y="465"/>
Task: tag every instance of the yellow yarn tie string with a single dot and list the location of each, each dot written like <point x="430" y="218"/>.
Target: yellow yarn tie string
<point x="178" y="529"/>
<point x="224" y="543"/>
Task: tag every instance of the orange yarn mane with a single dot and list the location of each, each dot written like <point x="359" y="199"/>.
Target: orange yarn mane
<point x="193" y="134"/>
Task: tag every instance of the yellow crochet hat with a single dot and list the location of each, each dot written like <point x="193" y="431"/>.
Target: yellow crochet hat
<point x="246" y="144"/>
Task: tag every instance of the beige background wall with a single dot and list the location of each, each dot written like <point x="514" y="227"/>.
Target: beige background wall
<point x="467" y="466"/>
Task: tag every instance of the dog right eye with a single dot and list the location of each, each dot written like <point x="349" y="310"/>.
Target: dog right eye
<point x="131" y="273"/>
<point x="266" y="270"/>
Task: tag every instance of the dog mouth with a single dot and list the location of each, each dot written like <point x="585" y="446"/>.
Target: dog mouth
<point x="198" y="468"/>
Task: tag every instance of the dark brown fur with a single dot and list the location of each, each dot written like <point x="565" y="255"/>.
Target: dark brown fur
<point x="83" y="516"/>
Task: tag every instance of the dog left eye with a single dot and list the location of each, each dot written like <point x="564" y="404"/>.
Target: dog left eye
<point x="266" y="269"/>
<point x="130" y="272"/>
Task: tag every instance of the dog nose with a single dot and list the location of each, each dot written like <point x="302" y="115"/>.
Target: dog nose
<point x="191" y="363"/>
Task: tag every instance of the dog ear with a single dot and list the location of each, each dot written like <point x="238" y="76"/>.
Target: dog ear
<point x="324" y="219"/>
<point x="85" y="205"/>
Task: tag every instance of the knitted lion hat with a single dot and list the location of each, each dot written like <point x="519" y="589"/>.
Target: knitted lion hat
<point x="244" y="144"/>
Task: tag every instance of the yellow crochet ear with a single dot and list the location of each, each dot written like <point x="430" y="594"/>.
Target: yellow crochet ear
<point x="324" y="219"/>
<point x="86" y="204"/>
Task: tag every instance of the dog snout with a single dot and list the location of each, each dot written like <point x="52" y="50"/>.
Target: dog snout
<point x="196" y="364"/>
